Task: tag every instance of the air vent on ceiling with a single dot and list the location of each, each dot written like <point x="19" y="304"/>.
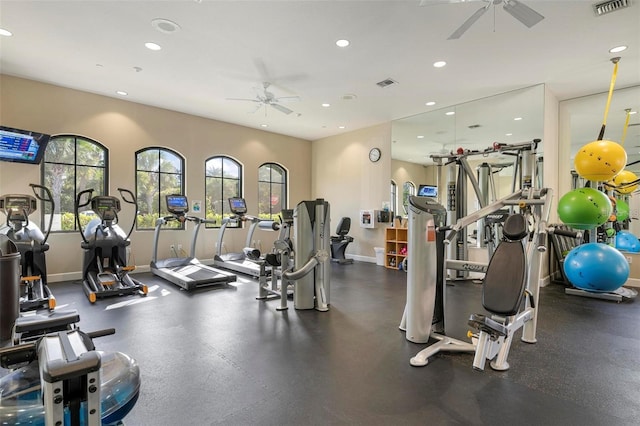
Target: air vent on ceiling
<point x="605" y="7"/>
<point x="386" y="82"/>
<point x="474" y="126"/>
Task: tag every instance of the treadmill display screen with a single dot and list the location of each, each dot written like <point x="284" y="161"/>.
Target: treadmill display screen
<point x="177" y="204"/>
<point x="238" y="205"/>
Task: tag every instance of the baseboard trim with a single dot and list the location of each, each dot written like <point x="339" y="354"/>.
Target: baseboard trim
<point x="74" y="276"/>
<point x="368" y="259"/>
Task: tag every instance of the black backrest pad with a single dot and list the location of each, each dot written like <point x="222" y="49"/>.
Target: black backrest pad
<point x="515" y="227"/>
<point x="504" y="281"/>
<point x="343" y="226"/>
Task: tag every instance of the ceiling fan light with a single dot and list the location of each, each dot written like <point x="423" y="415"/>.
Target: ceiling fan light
<point x="617" y="49"/>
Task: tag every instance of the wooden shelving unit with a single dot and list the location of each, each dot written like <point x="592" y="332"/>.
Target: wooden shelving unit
<point x="395" y="247"/>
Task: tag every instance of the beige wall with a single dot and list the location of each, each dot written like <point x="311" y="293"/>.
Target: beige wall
<point x="343" y="175"/>
<point x="125" y="127"/>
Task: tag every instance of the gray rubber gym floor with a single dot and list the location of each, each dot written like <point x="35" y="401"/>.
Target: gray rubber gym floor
<point x="219" y="356"/>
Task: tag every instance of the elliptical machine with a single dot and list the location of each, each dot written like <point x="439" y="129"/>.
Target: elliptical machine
<point x="104" y="268"/>
<point x="32" y="244"/>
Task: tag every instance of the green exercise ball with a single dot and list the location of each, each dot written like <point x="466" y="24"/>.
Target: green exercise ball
<point x="584" y="208"/>
<point x="622" y="209"/>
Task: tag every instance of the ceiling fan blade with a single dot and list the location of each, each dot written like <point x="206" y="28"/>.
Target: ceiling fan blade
<point x="282" y="109"/>
<point x="469" y="22"/>
<point x="242" y="99"/>
<point x="287" y="99"/>
<point x="522" y="12"/>
<point x="437" y="2"/>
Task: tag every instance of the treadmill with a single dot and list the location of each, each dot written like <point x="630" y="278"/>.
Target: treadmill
<point x="247" y="262"/>
<point x="186" y="272"/>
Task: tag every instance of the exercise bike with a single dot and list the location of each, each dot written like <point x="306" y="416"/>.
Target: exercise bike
<point x="32" y="244"/>
<point x="104" y="268"/>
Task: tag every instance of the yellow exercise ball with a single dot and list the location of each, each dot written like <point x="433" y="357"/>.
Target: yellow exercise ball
<point x="600" y="160"/>
<point x="623" y="178"/>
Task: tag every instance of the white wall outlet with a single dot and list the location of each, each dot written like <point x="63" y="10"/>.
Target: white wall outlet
<point x="629" y="259"/>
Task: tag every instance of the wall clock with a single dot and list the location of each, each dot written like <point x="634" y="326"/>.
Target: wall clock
<point x="375" y="154"/>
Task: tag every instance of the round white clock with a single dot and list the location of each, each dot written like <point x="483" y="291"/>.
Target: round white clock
<point x="375" y="154"/>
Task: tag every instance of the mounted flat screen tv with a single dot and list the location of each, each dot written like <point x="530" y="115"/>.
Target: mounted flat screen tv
<point x="428" y="191"/>
<point x="22" y="146"/>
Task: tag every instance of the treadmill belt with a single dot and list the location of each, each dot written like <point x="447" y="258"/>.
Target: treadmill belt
<point x="200" y="274"/>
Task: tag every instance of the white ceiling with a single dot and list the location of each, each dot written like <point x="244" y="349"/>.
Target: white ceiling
<point x="226" y="48"/>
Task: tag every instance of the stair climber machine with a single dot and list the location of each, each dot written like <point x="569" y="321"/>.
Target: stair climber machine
<point x="32" y="244"/>
<point x="279" y="260"/>
<point x="186" y="272"/>
<point x="312" y="278"/>
<point x="104" y="267"/>
<point x="248" y="261"/>
<point x="510" y="286"/>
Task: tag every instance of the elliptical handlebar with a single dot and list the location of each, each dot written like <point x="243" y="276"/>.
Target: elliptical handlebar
<point x="124" y="194"/>
<point x="77" y="206"/>
<point x="47" y="199"/>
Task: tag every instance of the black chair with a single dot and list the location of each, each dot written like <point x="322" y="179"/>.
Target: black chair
<point x="340" y="242"/>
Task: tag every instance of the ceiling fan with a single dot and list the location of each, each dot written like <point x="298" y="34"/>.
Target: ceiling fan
<point x="265" y="98"/>
<point x="518" y="10"/>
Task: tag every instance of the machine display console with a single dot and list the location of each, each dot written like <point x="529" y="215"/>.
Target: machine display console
<point x="18" y="205"/>
<point x="427" y="191"/>
<point x="177" y="204"/>
<point x="238" y="205"/>
<point x="105" y="206"/>
<point x="287" y="215"/>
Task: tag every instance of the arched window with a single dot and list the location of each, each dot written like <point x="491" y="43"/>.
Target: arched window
<point x="159" y="172"/>
<point x="272" y="190"/>
<point x="394" y="198"/>
<point x="408" y="189"/>
<point x="223" y="180"/>
<point x="72" y="164"/>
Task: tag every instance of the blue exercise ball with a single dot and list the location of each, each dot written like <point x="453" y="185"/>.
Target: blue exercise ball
<point x="626" y="241"/>
<point x="596" y="267"/>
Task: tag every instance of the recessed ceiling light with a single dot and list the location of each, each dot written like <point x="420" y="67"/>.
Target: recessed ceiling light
<point x="517" y="119"/>
<point x="121" y="93"/>
<point x="165" y="26"/>
<point x="6" y="33"/>
<point x="430" y="103"/>
<point x="450" y="113"/>
<point x="340" y="127"/>
<point x="508" y="134"/>
<point x="342" y="43"/>
<point x="617" y="49"/>
<point x="152" y="46"/>
<point x="326" y="105"/>
<point x="439" y="64"/>
<point x="264" y="125"/>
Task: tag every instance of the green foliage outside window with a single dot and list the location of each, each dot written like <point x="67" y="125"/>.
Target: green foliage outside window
<point x="72" y="164"/>
<point x="223" y="180"/>
<point x="159" y="172"/>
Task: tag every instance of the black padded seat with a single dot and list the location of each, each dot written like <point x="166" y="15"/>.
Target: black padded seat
<point x="46" y="323"/>
<point x="504" y="281"/>
<point x="340" y="241"/>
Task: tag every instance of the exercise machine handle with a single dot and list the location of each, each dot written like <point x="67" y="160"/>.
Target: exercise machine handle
<point x="128" y="197"/>
<point x="48" y="198"/>
<point x="77" y="210"/>
<point x="101" y="333"/>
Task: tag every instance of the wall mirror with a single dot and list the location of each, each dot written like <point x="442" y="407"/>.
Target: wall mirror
<point x="512" y="117"/>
